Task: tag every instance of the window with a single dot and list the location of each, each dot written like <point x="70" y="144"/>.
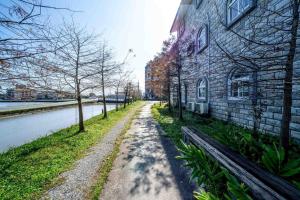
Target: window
<point x="236" y="8"/>
<point x="190" y="49"/>
<point x="202" y="89"/>
<point x="181" y="29"/>
<point x="197" y="3"/>
<point x="202" y="38"/>
<point x="239" y="85"/>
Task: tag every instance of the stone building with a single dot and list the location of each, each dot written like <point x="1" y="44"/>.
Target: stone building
<point x="151" y="91"/>
<point x="234" y="52"/>
<point x="21" y="92"/>
<point x="148" y="90"/>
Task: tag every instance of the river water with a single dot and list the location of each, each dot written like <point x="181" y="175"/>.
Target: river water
<point x="18" y="130"/>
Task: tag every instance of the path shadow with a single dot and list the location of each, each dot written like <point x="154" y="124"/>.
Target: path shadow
<point x="152" y="154"/>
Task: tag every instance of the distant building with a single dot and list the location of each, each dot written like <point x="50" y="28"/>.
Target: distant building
<point x="47" y="95"/>
<point x="10" y="93"/>
<point x="2" y="95"/>
<point x="21" y="92"/>
<point x="149" y="82"/>
<point x="66" y="95"/>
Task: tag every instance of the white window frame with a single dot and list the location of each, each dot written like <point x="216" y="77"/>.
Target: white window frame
<point x="203" y="29"/>
<point x="202" y="85"/>
<point x="240" y="11"/>
<point x="240" y="92"/>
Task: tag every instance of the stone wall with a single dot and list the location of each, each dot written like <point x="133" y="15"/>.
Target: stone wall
<point x="216" y="67"/>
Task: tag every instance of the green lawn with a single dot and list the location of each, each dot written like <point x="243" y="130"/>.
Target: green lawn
<point x="27" y="171"/>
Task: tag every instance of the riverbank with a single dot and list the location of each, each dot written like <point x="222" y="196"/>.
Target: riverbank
<point x="12" y="111"/>
<point x="28" y="171"/>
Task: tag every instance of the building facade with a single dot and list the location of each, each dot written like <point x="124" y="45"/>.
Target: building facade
<point x="233" y="54"/>
<point x="21" y="92"/>
<point x="151" y="91"/>
<point x="148" y="91"/>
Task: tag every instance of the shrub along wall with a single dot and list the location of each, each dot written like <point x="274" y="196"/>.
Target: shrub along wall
<point x="265" y="150"/>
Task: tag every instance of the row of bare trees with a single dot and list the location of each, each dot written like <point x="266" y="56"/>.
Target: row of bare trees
<point x="64" y="58"/>
<point x="271" y="61"/>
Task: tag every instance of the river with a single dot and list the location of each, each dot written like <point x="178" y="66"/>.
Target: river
<point x="18" y="130"/>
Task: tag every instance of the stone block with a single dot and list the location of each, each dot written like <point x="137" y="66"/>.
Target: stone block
<point x="273" y="122"/>
<point x="295" y="126"/>
<point x="296" y="119"/>
<point x="274" y="109"/>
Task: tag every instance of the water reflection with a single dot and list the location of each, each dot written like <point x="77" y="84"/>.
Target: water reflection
<point x="22" y="129"/>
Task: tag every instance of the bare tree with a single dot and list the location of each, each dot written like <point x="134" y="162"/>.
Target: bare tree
<point x="108" y="69"/>
<point x="22" y="27"/>
<point x="75" y="64"/>
<point x="120" y="82"/>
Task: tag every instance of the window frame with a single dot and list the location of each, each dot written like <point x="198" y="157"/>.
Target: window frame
<point x="240" y="15"/>
<point x="202" y="83"/>
<point x="247" y="78"/>
<point x="190" y="49"/>
<point x="201" y="29"/>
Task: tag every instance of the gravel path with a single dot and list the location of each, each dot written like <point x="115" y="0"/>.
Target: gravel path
<point x="146" y="168"/>
<point x="79" y="180"/>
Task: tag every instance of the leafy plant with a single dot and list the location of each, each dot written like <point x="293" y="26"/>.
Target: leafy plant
<point x="203" y="195"/>
<point x="273" y="160"/>
<point x="238" y="139"/>
<point x="235" y="189"/>
<point x="204" y="169"/>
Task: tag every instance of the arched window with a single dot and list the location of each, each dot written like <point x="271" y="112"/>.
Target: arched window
<point x="202" y="89"/>
<point x="239" y="84"/>
<point x="202" y="38"/>
<point x="236" y="9"/>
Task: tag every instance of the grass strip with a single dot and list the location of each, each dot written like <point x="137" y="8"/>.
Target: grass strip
<point x="26" y="172"/>
<point x="107" y="165"/>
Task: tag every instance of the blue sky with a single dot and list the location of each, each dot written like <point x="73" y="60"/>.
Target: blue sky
<point x="138" y="24"/>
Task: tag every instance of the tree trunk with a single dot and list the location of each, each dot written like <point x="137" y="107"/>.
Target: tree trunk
<point x="80" y="112"/>
<point x="256" y="114"/>
<point x="125" y="98"/>
<point x="169" y="97"/>
<point x="179" y="92"/>
<point x="288" y="82"/>
<point x="117" y="103"/>
<point x="128" y="93"/>
<point x="104" y="99"/>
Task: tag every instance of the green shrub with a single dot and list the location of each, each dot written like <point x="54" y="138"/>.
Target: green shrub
<point x="204" y="169"/>
<point x="260" y="150"/>
<point x="218" y="182"/>
<point x="273" y="160"/>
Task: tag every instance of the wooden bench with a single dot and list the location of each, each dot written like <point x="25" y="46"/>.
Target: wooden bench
<point x="263" y="184"/>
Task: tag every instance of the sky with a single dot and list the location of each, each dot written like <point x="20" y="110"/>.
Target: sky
<point x="141" y="25"/>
